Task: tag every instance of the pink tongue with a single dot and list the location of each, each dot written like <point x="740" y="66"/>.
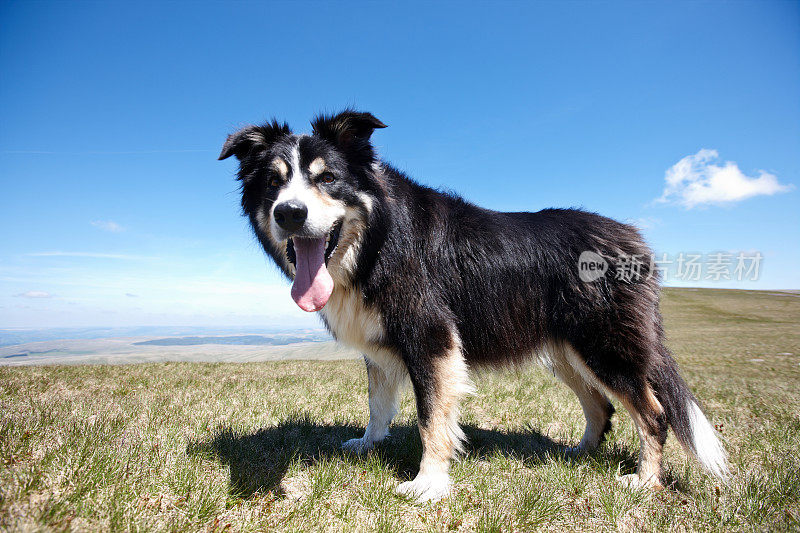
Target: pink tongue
<point x="312" y="284"/>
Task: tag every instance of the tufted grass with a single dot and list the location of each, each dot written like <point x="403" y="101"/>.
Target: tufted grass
<point x="255" y="446"/>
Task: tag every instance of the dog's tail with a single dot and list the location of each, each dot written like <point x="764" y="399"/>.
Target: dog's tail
<point x="691" y="427"/>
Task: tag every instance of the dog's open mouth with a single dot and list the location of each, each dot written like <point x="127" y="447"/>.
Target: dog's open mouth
<point x="313" y="284"/>
<point x="331" y="243"/>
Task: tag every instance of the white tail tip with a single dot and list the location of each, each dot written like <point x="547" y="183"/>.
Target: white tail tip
<point x="707" y="447"/>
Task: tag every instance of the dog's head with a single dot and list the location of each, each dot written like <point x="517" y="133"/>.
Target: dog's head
<point x="309" y="197"/>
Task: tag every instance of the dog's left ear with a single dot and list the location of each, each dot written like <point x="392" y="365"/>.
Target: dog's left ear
<point x="347" y="129"/>
<point x="252" y="138"/>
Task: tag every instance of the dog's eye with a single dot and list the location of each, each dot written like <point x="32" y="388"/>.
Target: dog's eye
<point x="327" y="178"/>
<point x="275" y="183"/>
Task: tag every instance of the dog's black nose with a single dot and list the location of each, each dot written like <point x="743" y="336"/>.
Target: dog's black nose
<point x="290" y="215"/>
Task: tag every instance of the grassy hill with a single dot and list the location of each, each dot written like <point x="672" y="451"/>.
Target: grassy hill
<point x="255" y="446"/>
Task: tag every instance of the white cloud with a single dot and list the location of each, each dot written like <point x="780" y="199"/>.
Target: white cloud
<point x="34" y="294"/>
<point x="696" y="180"/>
<point x="108" y="225"/>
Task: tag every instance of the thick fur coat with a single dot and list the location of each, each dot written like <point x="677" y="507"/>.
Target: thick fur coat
<point x="428" y="285"/>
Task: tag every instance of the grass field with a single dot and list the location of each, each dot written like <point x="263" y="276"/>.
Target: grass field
<point x="255" y="446"/>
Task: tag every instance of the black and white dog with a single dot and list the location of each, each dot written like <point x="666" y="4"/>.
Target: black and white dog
<point x="427" y="285"/>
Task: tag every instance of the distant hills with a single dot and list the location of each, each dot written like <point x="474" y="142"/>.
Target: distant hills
<point x="13" y="336"/>
<point x="304" y="344"/>
<point x="238" y="340"/>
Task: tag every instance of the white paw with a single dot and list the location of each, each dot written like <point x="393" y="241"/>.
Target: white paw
<point x="426" y="488"/>
<point x="578" y="450"/>
<point x="633" y="481"/>
<point x="361" y="445"/>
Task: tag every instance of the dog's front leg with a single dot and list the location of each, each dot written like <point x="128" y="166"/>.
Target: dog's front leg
<point x="384" y="398"/>
<point x="439" y="383"/>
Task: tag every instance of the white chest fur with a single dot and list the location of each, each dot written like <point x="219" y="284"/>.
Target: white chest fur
<point x="353" y="323"/>
<point x="358" y="326"/>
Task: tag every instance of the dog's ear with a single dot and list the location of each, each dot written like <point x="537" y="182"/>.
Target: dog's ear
<point x="347" y="129"/>
<point x="253" y="138"/>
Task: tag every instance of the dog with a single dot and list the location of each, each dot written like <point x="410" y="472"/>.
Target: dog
<point x="428" y="285"/>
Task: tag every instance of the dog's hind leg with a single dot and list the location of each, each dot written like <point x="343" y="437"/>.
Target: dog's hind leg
<point x="596" y="407"/>
<point x="384" y="399"/>
<point x="651" y="424"/>
<point x="637" y="395"/>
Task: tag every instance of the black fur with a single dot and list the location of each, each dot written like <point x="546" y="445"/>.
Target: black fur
<point x="432" y="263"/>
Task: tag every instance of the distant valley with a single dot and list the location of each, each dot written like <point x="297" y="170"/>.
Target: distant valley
<point x="274" y="346"/>
<point x="239" y="340"/>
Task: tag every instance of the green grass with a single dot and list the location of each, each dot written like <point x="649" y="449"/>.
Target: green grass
<point x="229" y="447"/>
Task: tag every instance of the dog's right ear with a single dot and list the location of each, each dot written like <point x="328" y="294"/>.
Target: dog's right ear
<point x="253" y="139"/>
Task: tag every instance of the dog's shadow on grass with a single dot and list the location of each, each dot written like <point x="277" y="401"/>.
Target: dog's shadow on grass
<point x="259" y="461"/>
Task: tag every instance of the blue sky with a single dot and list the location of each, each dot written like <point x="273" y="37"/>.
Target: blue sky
<point x="116" y="212"/>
